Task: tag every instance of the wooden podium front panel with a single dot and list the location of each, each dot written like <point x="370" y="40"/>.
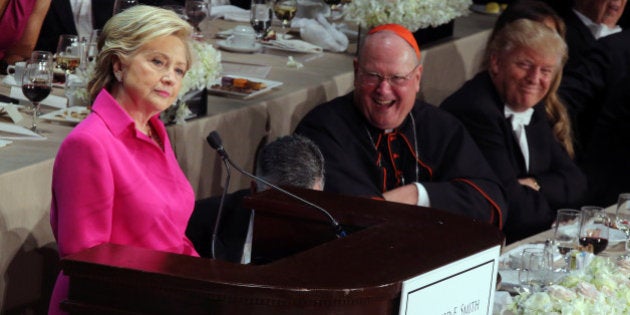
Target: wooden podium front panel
<point x="318" y="274"/>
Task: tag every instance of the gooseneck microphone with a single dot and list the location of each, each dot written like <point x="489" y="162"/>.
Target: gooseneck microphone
<point x="215" y="142"/>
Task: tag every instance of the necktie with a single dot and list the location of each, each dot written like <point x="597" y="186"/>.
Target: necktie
<point x="519" y="121"/>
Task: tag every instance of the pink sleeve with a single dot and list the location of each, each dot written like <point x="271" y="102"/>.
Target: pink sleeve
<point x="83" y="195"/>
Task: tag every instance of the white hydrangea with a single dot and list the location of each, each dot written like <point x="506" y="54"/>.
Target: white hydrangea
<point x="205" y="69"/>
<point x="413" y="14"/>
<point x="601" y="288"/>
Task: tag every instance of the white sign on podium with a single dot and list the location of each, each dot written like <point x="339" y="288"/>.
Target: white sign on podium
<point x="462" y="287"/>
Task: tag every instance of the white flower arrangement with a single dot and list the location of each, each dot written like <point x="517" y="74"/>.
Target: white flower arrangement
<point x="603" y="287"/>
<point x="204" y="71"/>
<point x="413" y="14"/>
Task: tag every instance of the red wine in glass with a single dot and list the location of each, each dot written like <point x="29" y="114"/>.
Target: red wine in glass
<point x="36" y="92"/>
<point x="598" y="243"/>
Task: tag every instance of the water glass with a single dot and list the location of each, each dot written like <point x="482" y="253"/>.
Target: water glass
<point x="566" y="232"/>
<point x="622" y="216"/>
<point x="261" y="16"/>
<point x="536" y="269"/>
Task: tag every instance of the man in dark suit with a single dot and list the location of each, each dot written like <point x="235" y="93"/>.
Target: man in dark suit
<point x="60" y="19"/>
<point x="287" y="161"/>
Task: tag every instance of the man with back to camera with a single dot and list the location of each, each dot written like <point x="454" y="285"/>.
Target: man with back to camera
<point x="288" y="161"/>
<point x="378" y="141"/>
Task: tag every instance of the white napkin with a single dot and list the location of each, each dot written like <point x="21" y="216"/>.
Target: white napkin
<point x="230" y="13"/>
<point x="14" y="132"/>
<point x="4" y="143"/>
<point x="321" y="33"/>
<point x="294" y="45"/>
<point x="9" y="80"/>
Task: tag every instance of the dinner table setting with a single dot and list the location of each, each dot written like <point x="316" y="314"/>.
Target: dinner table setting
<point x="581" y="265"/>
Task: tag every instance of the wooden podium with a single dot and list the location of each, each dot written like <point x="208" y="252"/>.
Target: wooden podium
<point x="299" y="267"/>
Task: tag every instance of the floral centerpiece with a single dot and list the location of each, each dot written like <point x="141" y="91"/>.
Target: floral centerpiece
<point x="603" y="287"/>
<point x="413" y="14"/>
<point x="205" y="69"/>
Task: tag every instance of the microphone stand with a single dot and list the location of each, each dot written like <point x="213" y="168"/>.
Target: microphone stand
<point x="217" y="220"/>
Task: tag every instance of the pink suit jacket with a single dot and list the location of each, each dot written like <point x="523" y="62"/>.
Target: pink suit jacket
<point x="113" y="184"/>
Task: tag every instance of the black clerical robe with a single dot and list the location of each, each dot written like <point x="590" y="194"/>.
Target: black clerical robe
<point x="431" y="147"/>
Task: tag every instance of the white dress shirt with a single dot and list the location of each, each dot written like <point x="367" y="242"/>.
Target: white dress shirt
<point x="82" y="14"/>
<point x="519" y="121"/>
<point x="598" y="30"/>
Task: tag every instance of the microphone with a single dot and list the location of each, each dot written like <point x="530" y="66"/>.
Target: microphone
<point x="215" y="142"/>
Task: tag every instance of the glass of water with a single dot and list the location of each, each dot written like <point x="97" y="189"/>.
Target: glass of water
<point x="261" y="16"/>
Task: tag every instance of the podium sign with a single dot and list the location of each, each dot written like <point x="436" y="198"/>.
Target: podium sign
<point x="465" y="286"/>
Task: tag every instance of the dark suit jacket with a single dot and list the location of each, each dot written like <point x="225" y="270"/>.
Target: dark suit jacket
<point x="607" y="160"/>
<point x="585" y="86"/>
<point x="579" y="38"/>
<point x="233" y="227"/>
<point x="479" y="107"/>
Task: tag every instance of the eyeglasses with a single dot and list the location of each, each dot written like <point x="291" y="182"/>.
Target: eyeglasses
<point x="373" y="78"/>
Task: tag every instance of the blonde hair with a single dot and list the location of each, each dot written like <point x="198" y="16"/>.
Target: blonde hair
<point x="129" y="30"/>
<point x="537" y="36"/>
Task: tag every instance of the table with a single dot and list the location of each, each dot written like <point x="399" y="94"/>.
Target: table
<point x="28" y="249"/>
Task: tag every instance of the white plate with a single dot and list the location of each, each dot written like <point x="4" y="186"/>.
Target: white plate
<point x="270" y="85"/>
<point x="224" y="44"/>
<point x="73" y="115"/>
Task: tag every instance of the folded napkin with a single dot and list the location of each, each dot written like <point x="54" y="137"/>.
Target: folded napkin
<point x="320" y="32"/>
<point x="4" y="143"/>
<point x="230" y="13"/>
<point x="9" y="80"/>
<point x="10" y="131"/>
<point x="294" y="45"/>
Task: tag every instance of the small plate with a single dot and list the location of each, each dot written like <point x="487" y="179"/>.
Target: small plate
<point x="225" y="45"/>
<point x="269" y="85"/>
<point x="72" y="115"/>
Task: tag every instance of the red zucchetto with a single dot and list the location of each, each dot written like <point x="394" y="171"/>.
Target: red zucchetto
<point x="401" y="31"/>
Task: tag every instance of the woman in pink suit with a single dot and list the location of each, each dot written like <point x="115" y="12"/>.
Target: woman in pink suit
<point x="116" y="179"/>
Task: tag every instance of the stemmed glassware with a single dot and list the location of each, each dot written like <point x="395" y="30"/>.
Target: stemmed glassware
<point x="594" y="228"/>
<point x="261" y="17"/>
<point x="622" y="217"/>
<point x="122" y="5"/>
<point x="535" y="270"/>
<point x="285" y="11"/>
<point x="68" y="56"/>
<point x="566" y="232"/>
<point x="196" y="12"/>
<point x="36" y="85"/>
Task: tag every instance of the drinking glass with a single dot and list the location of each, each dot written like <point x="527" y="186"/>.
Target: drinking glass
<point x="68" y="56"/>
<point x="42" y="55"/>
<point x="196" y="12"/>
<point x="122" y="5"/>
<point x="92" y="47"/>
<point x="178" y="9"/>
<point x="622" y="216"/>
<point x="594" y="228"/>
<point x="285" y="11"/>
<point x="36" y="86"/>
<point x="536" y="269"/>
<point x="261" y="17"/>
<point x="566" y="233"/>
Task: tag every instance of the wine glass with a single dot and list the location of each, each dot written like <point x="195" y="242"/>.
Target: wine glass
<point x="68" y="56"/>
<point x="122" y="5"/>
<point x="535" y="269"/>
<point x="36" y="86"/>
<point x="42" y="55"/>
<point x="285" y="11"/>
<point x="566" y="232"/>
<point x="622" y="216"/>
<point x="92" y="47"/>
<point x="196" y="12"/>
<point x="594" y="229"/>
<point x="261" y="16"/>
